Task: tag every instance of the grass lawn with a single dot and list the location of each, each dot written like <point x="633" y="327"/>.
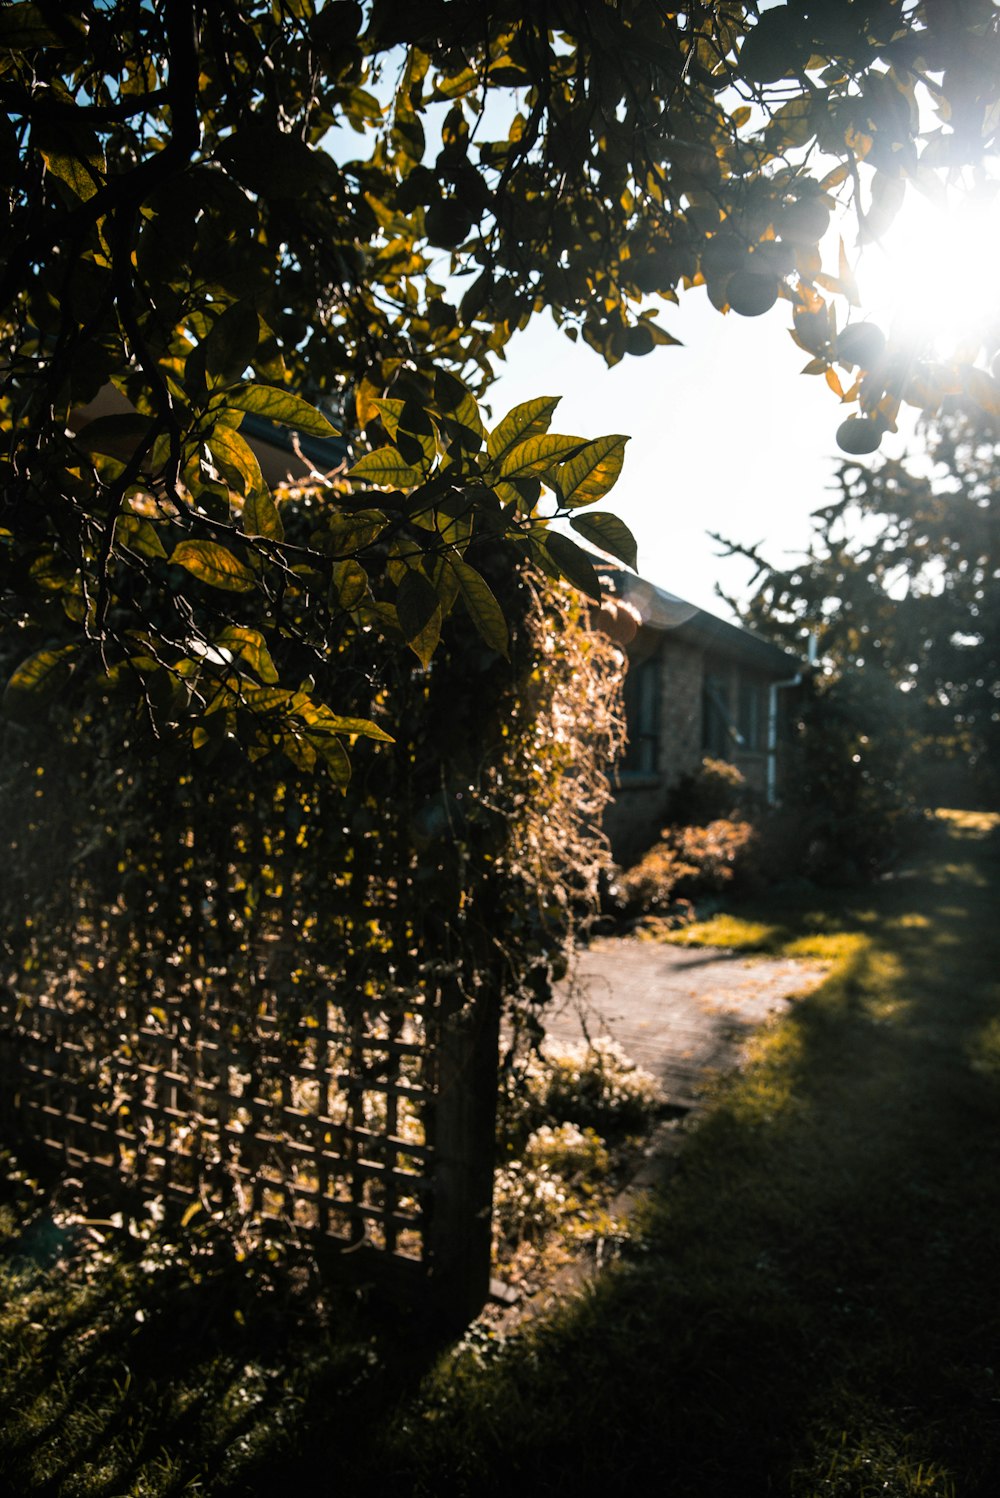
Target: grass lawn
<point x="811" y="1306"/>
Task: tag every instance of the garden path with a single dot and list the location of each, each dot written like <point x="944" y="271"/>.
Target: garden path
<point x="683" y="1013"/>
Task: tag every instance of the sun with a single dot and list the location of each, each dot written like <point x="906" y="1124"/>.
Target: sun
<point x="933" y="280"/>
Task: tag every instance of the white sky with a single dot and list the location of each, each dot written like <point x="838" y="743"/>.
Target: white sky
<point x="727" y="435"/>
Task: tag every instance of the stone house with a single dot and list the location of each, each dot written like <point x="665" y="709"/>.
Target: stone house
<point x="697" y="686"/>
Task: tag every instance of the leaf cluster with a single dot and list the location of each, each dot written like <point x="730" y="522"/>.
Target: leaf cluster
<point x="249" y="208"/>
<point x="901" y="582"/>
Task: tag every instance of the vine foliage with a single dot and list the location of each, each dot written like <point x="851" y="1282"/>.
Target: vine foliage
<point x="249" y="990"/>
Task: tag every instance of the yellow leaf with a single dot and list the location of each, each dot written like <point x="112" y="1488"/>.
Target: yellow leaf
<point x="249" y="645"/>
<point x="536" y="454"/>
<point x="591" y="473"/>
<point x="261" y="518"/>
<point x="212" y="564"/>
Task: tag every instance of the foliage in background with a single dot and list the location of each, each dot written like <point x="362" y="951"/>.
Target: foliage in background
<point x="216" y="211"/>
<point x="717" y="790"/>
<point x="902" y="586"/>
<point x="848" y="810"/>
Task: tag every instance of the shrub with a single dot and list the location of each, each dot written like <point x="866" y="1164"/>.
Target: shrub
<point x="527" y="1201"/>
<point x="568" y="1150"/>
<point x="716" y="791"/>
<point x="597" y="1086"/>
<point x="688" y="862"/>
<point x="592" y="1086"/>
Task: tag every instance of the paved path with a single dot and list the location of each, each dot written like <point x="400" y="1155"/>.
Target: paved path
<point x="681" y="1012"/>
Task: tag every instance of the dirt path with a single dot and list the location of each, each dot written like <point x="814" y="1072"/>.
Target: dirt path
<point x="680" y="1012"/>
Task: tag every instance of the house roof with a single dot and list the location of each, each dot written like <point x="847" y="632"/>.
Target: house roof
<point x="663" y="613"/>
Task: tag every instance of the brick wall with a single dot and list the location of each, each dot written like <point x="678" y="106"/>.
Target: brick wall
<point x="635" y="817"/>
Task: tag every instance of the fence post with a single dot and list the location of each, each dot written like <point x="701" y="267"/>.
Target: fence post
<point x="463" y="1147"/>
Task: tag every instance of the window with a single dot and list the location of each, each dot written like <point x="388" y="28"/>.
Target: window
<point x="752" y="715"/>
<point x="642" y="718"/>
<point x="718" y="733"/>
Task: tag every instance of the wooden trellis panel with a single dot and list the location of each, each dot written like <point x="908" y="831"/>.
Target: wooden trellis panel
<point x="361" y="1127"/>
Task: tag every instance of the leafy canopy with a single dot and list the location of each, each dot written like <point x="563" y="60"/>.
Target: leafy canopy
<point x="334" y="218"/>
<point x="902" y="584"/>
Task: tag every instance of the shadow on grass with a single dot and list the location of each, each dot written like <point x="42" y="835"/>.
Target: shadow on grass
<point x="812" y="1306"/>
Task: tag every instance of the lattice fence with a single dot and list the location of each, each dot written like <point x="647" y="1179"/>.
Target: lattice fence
<point x="354" y="1129"/>
<point x="230" y="983"/>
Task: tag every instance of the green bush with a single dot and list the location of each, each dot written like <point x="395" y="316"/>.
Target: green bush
<point x="716" y="791"/>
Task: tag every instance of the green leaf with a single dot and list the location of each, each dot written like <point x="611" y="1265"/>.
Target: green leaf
<point x="212" y="564"/>
<point x="334" y="756"/>
<point x="261" y="518"/>
<point x="418" y="609"/>
<point x="536" y="455"/>
<point x="411" y="429"/>
<point x="457" y="403"/>
<point x="231" y="344"/>
<point x="356" y="727"/>
<point x="134" y="533"/>
<point x="386" y="467"/>
<point x="281" y="406"/>
<point x="484" y="611"/>
<point x="37" y="680"/>
<point x="530" y="419"/>
<point x="344" y="533"/>
<point x="774" y="46"/>
<point x="249" y="645"/>
<point x="236" y="460"/>
<point x="73" y="171"/>
<point x="590" y="474"/>
<point x="572" y="562"/>
<point x="351" y="583"/>
<point x="609" y="533"/>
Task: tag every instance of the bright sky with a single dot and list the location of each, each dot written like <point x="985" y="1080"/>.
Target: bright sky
<point x="727" y="434"/>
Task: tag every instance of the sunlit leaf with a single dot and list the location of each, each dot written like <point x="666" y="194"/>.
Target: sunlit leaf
<point x="212" y="564"/>
<point x="536" y="455"/>
<point x="386" y="467"/>
<point x="351" y="583"/>
<point x="261" y="518"/>
<point x="609" y="533"/>
<point x="134" y="533"/>
<point x="590" y="473"/>
<point x="236" y="460"/>
<point x="484" y="611"/>
<point x="345" y="532"/>
<point x="530" y="419"/>
<point x="281" y="406"/>
<point x="250" y="646"/>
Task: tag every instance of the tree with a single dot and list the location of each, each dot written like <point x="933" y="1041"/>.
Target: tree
<point x="187" y="226"/>
<point x="902" y="581"/>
